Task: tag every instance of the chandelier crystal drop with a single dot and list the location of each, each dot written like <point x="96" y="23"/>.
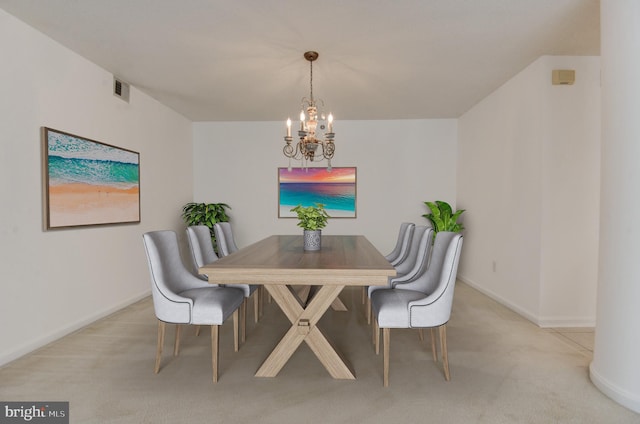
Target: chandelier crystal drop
<point x="316" y="131"/>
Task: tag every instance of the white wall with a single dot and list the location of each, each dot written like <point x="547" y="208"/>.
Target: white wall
<point x="571" y="194"/>
<point x="528" y="174"/>
<point x="54" y="282"/>
<point x="400" y="165"/>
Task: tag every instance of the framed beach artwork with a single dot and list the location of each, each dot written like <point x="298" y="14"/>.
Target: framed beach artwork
<point x="87" y="182"/>
<point x="335" y="189"/>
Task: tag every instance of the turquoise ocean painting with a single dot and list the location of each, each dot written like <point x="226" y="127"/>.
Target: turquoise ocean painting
<point x="88" y="182"/>
<point x="74" y="160"/>
<point x="335" y="189"/>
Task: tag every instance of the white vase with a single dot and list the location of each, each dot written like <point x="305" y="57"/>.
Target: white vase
<point x="312" y="239"/>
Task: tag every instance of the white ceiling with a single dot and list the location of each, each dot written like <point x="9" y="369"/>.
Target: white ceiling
<point x="242" y="60"/>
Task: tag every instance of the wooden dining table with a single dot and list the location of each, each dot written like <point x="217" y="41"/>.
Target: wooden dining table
<point x="279" y="262"/>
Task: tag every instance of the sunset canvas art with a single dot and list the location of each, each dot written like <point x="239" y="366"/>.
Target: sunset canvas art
<point x="335" y="189"/>
<point x="88" y="182"/>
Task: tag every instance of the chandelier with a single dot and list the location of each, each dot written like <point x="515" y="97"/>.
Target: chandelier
<point x="316" y="131"/>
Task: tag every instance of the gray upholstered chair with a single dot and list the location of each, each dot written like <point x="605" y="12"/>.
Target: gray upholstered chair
<point x="226" y="246"/>
<point x="179" y="297"/>
<point x="423" y="302"/>
<point x="399" y="252"/>
<point x="201" y="247"/>
<point x="224" y="239"/>
<point x="416" y="258"/>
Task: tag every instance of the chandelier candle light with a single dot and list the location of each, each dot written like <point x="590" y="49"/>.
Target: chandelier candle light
<point x="306" y="149"/>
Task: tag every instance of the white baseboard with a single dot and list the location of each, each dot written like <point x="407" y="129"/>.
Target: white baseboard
<point x="59" y="333"/>
<point x="623" y="397"/>
<point x="515" y="308"/>
<point x="566" y="322"/>
<point x="543" y="322"/>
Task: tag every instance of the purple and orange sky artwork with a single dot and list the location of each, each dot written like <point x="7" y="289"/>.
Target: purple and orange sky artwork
<point x="318" y="175"/>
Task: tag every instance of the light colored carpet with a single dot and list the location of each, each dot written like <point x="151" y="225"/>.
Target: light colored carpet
<point x="503" y="370"/>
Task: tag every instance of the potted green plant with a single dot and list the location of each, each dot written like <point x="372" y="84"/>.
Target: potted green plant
<point x="312" y="219"/>
<point x="443" y="218"/>
<point x="205" y="214"/>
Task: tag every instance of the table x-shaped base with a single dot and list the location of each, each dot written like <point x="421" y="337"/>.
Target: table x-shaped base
<point x="304" y="319"/>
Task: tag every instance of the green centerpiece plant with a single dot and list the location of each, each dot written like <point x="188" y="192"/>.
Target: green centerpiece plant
<point x="312" y="219"/>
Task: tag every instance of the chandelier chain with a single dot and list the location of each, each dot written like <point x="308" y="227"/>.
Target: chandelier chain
<point x="311" y="80"/>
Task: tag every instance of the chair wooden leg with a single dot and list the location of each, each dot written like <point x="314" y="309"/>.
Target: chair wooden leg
<point x="376" y="340"/>
<point x="256" y="306"/>
<point x="443" y="346"/>
<point x="161" y="327"/>
<point x="236" y="345"/>
<point x="243" y="321"/>
<point x="261" y="293"/>
<point x="197" y="330"/>
<point x="214" y="351"/>
<point x="373" y="332"/>
<point x="368" y="310"/>
<point x="386" y="339"/>
<point x="434" y="349"/>
<point x="176" y="344"/>
<point x="421" y="334"/>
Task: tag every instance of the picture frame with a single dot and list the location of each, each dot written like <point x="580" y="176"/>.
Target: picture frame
<point x="87" y="182"/>
<point x="336" y="189"/>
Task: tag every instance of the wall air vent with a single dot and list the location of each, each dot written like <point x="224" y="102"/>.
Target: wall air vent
<point x="563" y="77"/>
<point x="121" y="89"/>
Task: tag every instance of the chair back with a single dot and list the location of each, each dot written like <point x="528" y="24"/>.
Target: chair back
<point x="421" y="262"/>
<point x="420" y="242"/>
<point x="404" y="227"/>
<point x="224" y="239"/>
<point x="404" y="238"/>
<point x="435" y="308"/>
<point x="169" y="277"/>
<point x="201" y="247"/>
<point x="411" y="258"/>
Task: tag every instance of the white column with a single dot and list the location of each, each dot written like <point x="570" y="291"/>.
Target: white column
<point x="615" y="369"/>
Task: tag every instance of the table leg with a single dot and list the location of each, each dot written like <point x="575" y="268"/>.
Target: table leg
<point x="304" y="292"/>
<point x="304" y="328"/>
<point x="338" y="305"/>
